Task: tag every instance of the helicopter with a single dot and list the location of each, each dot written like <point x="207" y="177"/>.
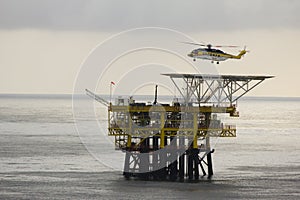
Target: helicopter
<point x="215" y="55"/>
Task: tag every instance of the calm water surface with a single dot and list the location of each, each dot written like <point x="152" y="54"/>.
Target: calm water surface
<point x="43" y="157"/>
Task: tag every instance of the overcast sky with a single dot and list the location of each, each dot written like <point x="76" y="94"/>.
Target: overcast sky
<point x="117" y="15"/>
<point x="43" y="43"/>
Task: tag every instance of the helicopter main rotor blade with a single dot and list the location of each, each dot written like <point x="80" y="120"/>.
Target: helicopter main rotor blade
<point x="229" y="46"/>
<point x="192" y="43"/>
<point x="210" y="45"/>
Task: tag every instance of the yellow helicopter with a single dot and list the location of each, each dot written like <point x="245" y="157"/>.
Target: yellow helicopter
<point x="215" y="55"/>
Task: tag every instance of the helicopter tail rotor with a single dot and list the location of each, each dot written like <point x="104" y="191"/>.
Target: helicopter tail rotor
<point x="244" y="51"/>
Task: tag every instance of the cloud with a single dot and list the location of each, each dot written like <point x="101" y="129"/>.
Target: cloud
<point x="119" y="15"/>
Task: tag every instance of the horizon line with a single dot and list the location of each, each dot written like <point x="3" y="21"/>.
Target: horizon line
<point x="116" y="95"/>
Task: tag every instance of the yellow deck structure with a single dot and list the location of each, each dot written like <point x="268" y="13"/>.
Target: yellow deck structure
<point x="133" y="122"/>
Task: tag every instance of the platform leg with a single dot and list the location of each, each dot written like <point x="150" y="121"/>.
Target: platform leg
<point x="181" y="167"/>
<point x="181" y="160"/>
<point x="126" y="165"/>
<point x="155" y="158"/>
<point x="144" y="160"/>
<point x="190" y="164"/>
<point x="209" y="165"/>
<point x="196" y="163"/>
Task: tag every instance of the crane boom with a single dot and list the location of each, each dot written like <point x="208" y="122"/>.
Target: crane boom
<point x="97" y="97"/>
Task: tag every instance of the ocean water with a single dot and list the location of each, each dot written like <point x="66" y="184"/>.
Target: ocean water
<point x="42" y="155"/>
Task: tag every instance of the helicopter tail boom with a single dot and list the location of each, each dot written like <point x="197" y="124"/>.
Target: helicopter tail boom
<point x="243" y="52"/>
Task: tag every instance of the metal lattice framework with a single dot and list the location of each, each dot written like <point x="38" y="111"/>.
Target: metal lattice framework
<point x="215" y="89"/>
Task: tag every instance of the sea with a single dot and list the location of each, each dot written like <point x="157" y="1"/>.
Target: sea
<point x="43" y="154"/>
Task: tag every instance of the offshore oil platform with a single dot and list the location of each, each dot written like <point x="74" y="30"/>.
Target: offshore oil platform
<point x="173" y="141"/>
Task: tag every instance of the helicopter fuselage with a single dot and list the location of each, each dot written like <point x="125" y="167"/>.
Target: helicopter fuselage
<point x="210" y="54"/>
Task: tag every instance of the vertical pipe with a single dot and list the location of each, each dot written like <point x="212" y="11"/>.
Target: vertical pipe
<point x="196" y="163"/>
<point x="181" y="159"/>
<point x="209" y="158"/>
<point x="208" y="149"/>
<point x="126" y="172"/>
<point x="129" y="121"/>
<point x="155" y="96"/>
<point x="162" y="131"/>
<point x="128" y="142"/>
<point x="195" y="146"/>
<point x="195" y="126"/>
<point x="209" y="164"/>
<point x="162" y="155"/>
<point x="190" y="164"/>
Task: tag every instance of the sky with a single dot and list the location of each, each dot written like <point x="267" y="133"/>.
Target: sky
<point x="43" y="44"/>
